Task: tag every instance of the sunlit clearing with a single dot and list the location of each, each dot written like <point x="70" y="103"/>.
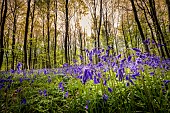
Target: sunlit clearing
<point x="86" y="24"/>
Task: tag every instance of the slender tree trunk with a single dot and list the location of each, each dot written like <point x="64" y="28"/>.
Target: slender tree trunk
<point x="44" y="59"/>
<point x="31" y="36"/>
<point x="7" y="51"/>
<point x="35" y="54"/>
<point x="13" y="36"/>
<point x="48" y="33"/>
<point x="106" y="25"/>
<point x="100" y="23"/>
<point x="2" y="25"/>
<point x="149" y="25"/>
<point x="124" y="36"/>
<point x="157" y="26"/>
<point x="84" y="46"/>
<point x="81" y="45"/>
<point x="168" y="8"/>
<point x="55" y="33"/>
<point x="66" y="32"/>
<point x="26" y="34"/>
<point x="139" y="26"/>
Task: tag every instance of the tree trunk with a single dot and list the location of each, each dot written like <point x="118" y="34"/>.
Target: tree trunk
<point x="66" y="32"/>
<point x="55" y="33"/>
<point x="2" y="25"/>
<point x="100" y="23"/>
<point x="48" y="34"/>
<point x="139" y="26"/>
<point x="31" y="36"/>
<point x="157" y="27"/>
<point x="168" y="8"/>
<point x="13" y="36"/>
<point x="26" y="33"/>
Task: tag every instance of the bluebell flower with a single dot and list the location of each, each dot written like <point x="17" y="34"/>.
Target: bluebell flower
<point x="40" y="92"/>
<point x="110" y="89"/>
<point x="23" y="101"/>
<point x="123" y="60"/>
<point x="45" y="92"/>
<point x="81" y="57"/>
<point x="127" y="77"/>
<point x="136" y="49"/>
<point x="1" y="86"/>
<point x="105" y="97"/>
<point x="45" y="71"/>
<point x="166" y="82"/>
<point x="119" y="56"/>
<point x="96" y="80"/>
<point x="79" y="77"/>
<point x="66" y="94"/>
<point x="60" y="86"/>
<point x="105" y="82"/>
<point x="134" y="75"/>
<point x="87" y="75"/>
<point x="127" y="84"/>
<point x="19" y="65"/>
<point x="99" y="74"/>
<point x="129" y="58"/>
<point x="152" y="73"/>
<point x="49" y="79"/>
<point x="20" y="79"/>
<point x="12" y="71"/>
<point x="18" y="90"/>
<point x="86" y="107"/>
<point x="65" y="65"/>
<point x="120" y="74"/>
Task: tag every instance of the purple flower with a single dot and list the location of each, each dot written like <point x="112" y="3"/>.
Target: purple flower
<point x="23" y="101"/>
<point x="110" y="89"/>
<point x="12" y="71"/>
<point x="87" y="75"/>
<point x="66" y="94"/>
<point x="45" y="92"/>
<point x="40" y="92"/>
<point x="119" y="56"/>
<point x="96" y="80"/>
<point x="20" y="79"/>
<point x="105" y="97"/>
<point x="49" y="79"/>
<point x="136" y="49"/>
<point x="1" y="86"/>
<point x="81" y="57"/>
<point x="134" y="75"/>
<point x="45" y="71"/>
<point x="127" y="84"/>
<point x="129" y="58"/>
<point x="86" y="107"/>
<point x="166" y="82"/>
<point x="105" y="82"/>
<point x="19" y="66"/>
<point x="60" y="86"/>
<point x="152" y="73"/>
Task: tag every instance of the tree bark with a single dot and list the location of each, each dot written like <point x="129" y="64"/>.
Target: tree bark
<point x="157" y="27"/>
<point x="13" y="35"/>
<point x="26" y="34"/>
<point x="48" y="34"/>
<point x="139" y="26"/>
<point x="31" y="36"/>
<point x="168" y="8"/>
<point x="2" y="25"/>
<point x="66" y="32"/>
<point x="55" y="33"/>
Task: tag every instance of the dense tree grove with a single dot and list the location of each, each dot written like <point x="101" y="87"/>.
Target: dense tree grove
<point x="84" y="56"/>
<point x="57" y="31"/>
